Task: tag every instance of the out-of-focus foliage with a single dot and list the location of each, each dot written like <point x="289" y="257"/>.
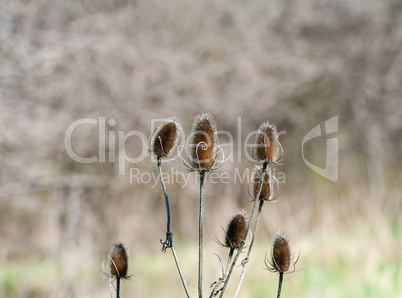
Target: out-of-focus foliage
<point x="294" y="63"/>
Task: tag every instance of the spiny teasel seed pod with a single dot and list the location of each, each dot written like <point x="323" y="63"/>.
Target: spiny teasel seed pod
<point x="281" y="260"/>
<point x="118" y="261"/>
<point x="203" y="142"/>
<point x="267" y="146"/>
<point x="281" y="253"/>
<point x="165" y="137"/>
<point x="236" y="230"/>
<point x="265" y="193"/>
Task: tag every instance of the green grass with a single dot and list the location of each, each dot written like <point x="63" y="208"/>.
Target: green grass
<point x="348" y="264"/>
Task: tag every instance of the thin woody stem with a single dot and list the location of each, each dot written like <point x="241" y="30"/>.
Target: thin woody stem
<point x="280" y="284"/>
<point x="251" y="246"/>
<point x="221" y="280"/>
<point x="200" y="233"/>
<point x="117" y="287"/>
<point x="264" y="168"/>
<point x="169" y="241"/>
<point x="254" y="235"/>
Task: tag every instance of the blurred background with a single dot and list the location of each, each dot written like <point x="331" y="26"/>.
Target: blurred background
<point x="294" y="63"/>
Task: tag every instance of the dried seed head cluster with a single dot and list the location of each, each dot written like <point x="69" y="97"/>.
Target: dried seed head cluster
<point x="203" y="142"/>
<point x="281" y="256"/>
<point x="265" y="193"/>
<point x="118" y="261"/>
<point x="164" y="139"/>
<point x="267" y="146"/>
<point x="236" y="230"/>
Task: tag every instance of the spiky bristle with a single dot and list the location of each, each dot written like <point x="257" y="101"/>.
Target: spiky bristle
<point x="118" y="260"/>
<point x="236" y="230"/>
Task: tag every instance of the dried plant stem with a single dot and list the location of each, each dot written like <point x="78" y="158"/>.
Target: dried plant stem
<point x="221" y="280"/>
<point x="229" y="260"/>
<point x="200" y="233"/>
<point x="117" y="287"/>
<point x="251" y="246"/>
<point x="264" y="168"/>
<point x="280" y="284"/>
<point x="169" y="236"/>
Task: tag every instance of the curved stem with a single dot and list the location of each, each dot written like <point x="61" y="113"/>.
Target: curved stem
<point x="221" y="280"/>
<point x="264" y="168"/>
<point x="251" y="246"/>
<point x="166" y="198"/>
<point x="280" y="284"/>
<point x="117" y="287"/>
<point x="200" y="233"/>
<point x="169" y="241"/>
<point x="229" y="260"/>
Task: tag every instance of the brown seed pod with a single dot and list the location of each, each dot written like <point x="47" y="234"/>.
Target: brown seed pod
<point x="164" y="139"/>
<point x="267" y="147"/>
<point x="236" y="230"/>
<point x="281" y="256"/>
<point x="265" y="189"/>
<point x="118" y="260"/>
<point x="203" y="142"/>
<point x="281" y="260"/>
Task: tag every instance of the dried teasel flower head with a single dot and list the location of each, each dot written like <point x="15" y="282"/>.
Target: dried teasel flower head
<point x="265" y="193"/>
<point x="203" y="143"/>
<point x="267" y="146"/>
<point x="118" y="261"/>
<point x="282" y="260"/>
<point x="165" y="137"/>
<point x="236" y="230"/>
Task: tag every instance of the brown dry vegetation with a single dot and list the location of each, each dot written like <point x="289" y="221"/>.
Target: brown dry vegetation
<point x="294" y="63"/>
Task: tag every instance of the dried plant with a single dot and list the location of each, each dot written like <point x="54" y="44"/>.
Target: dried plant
<point x="236" y="230"/>
<point x="234" y="235"/>
<point x="267" y="146"/>
<point x="163" y="143"/>
<point x="281" y="260"/>
<point x="203" y="153"/>
<point x="270" y="187"/>
<point x="165" y="138"/>
<point x="118" y="265"/>
<point x="203" y="147"/>
<point x="268" y="150"/>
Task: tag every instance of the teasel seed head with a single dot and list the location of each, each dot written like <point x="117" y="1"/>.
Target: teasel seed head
<point x="165" y="137"/>
<point x="203" y="142"/>
<point x="267" y="146"/>
<point x="236" y="230"/>
<point x="282" y="260"/>
<point x="118" y="261"/>
<point x="265" y="193"/>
